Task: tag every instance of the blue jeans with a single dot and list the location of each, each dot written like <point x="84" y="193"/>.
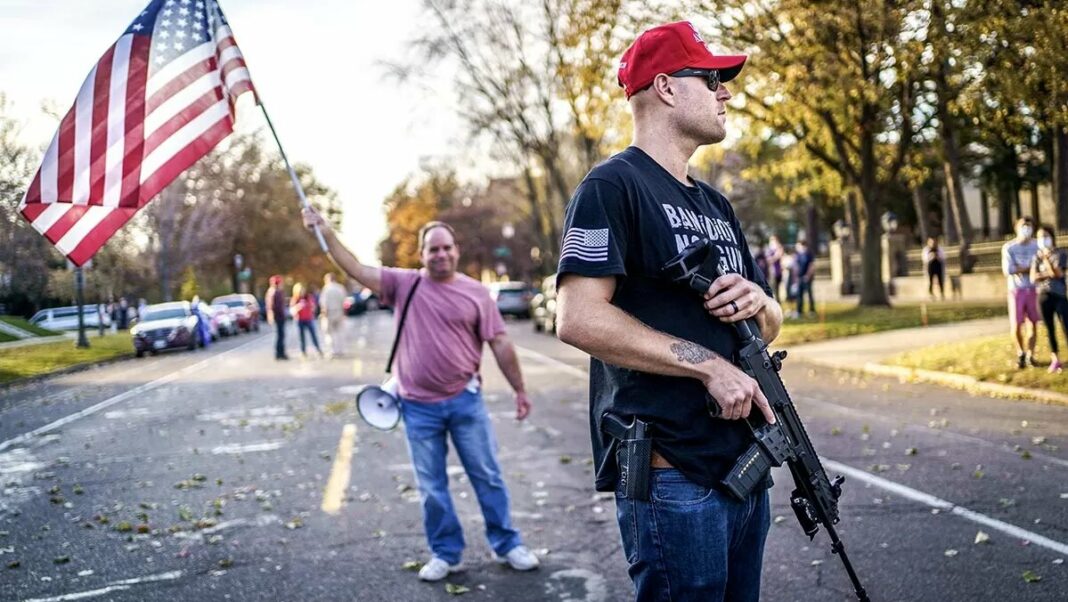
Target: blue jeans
<point x="804" y="288"/>
<point x="464" y="418"/>
<point x="280" y="339"/>
<point x="308" y="325"/>
<point x="690" y="542"/>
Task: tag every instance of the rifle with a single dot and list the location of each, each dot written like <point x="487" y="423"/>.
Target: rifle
<point x="815" y="497"/>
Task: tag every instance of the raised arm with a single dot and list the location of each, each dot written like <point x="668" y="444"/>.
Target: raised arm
<point x="369" y="276"/>
<point x="586" y="319"/>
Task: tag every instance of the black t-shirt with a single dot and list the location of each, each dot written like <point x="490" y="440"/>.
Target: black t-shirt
<point x="627" y="218"/>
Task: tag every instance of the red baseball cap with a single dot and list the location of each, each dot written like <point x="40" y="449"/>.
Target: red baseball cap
<point x="668" y="48"/>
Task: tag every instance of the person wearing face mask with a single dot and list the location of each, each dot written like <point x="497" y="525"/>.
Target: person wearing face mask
<point x="1016" y="258"/>
<point x="1047" y="272"/>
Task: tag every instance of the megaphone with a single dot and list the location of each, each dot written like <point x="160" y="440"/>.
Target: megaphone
<point x="379" y="406"/>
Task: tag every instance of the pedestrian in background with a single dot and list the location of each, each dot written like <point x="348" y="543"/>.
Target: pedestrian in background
<point x="1047" y="272"/>
<point x="934" y="264"/>
<point x="760" y="257"/>
<point x="332" y="315"/>
<point x="123" y="313"/>
<point x="203" y="327"/>
<point x="277" y="313"/>
<point x="302" y="305"/>
<point x="805" y="272"/>
<point x="1017" y="255"/>
<point x="774" y="254"/>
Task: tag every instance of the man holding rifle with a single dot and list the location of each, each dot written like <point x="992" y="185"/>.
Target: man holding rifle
<point x="661" y="360"/>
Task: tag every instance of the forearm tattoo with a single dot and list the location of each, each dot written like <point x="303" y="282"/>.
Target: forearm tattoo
<point x="691" y="353"/>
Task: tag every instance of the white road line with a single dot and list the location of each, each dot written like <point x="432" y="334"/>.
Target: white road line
<point x="244" y="448"/>
<point x="541" y="357"/>
<point x="929" y="431"/>
<point x="114" y="586"/>
<point x="123" y="396"/>
<point x="896" y="488"/>
<point x="937" y="502"/>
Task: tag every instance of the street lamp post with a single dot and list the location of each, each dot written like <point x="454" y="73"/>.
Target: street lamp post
<point x="79" y="291"/>
<point x="239" y="261"/>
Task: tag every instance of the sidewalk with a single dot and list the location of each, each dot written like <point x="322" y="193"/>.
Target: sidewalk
<point x="865" y="353"/>
<point x="38" y="340"/>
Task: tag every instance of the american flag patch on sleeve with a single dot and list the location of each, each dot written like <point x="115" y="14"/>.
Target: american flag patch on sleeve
<point x="586" y="245"/>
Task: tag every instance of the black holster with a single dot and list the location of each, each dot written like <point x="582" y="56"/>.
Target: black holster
<point x="632" y="448"/>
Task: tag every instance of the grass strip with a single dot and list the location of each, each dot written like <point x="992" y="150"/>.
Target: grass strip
<point x="35" y="360"/>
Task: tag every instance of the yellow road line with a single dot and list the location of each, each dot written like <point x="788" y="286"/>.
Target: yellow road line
<point x="340" y="472"/>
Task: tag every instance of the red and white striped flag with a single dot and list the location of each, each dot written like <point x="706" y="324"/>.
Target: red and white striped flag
<point x="159" y="99"/>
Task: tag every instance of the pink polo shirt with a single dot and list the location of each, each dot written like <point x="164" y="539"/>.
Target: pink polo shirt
<point x="441" y="347"/>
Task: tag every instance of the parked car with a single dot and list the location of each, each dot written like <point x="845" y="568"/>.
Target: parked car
<point x="245" y="308"/>
<point x="66" y="318"/>
<point x="166" y="326"/>
<point x="513" y="298"/>
<point x="543" y="306"/>
<point x="361" y="301"/>
<point x="225" y="319"/>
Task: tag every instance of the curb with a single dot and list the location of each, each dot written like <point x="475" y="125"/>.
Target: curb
<point x="28" y="380"/>
<point x="961" y="382"/>
<point x="34" y="341"/>
<point x="965" y="383"/>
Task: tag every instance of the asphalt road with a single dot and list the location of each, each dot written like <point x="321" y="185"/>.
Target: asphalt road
<point x="205" y="476"/>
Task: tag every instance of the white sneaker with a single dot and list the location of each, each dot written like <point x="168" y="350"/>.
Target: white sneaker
<point x="437" y="569"/>
<point x="520" y="559"/>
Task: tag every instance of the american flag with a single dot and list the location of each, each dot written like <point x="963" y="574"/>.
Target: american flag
<point x="159" y="99"/>
<point x="586" y="245"/>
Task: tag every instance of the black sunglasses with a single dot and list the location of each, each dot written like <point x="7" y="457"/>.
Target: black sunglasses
<point x="711" y="76"/>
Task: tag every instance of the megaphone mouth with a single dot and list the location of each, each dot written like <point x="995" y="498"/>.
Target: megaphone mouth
<point x="378" y="408"/>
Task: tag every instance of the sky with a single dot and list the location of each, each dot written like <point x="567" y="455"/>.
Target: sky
<point x="316" y="64"/>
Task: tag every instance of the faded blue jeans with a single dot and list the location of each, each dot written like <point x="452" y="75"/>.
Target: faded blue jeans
<point x="693" y="543"/>
<point x="465" y="420"/>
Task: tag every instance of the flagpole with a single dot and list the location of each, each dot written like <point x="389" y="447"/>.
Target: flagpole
<point x="293" y="176"/>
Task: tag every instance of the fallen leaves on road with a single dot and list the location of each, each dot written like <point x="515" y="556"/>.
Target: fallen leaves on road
<point x="912" y="451"/>
<point x="1031" y="577"/>
<point x="412" y="565"/>
<point x="950" y="553"/>
<point x="982" y="537"/>
<point x="456" y="590"/>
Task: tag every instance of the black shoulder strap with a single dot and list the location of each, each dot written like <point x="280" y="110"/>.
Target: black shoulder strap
<point x="400" y="327"/>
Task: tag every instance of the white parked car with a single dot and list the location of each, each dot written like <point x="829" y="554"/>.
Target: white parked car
<point x="66" y="318"/>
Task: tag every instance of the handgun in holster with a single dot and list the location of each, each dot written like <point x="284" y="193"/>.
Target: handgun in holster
<point x="632" y="448"/>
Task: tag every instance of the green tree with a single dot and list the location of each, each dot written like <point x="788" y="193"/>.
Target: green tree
<point x="836" y="78"/>
<point x="25" y="256"/>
